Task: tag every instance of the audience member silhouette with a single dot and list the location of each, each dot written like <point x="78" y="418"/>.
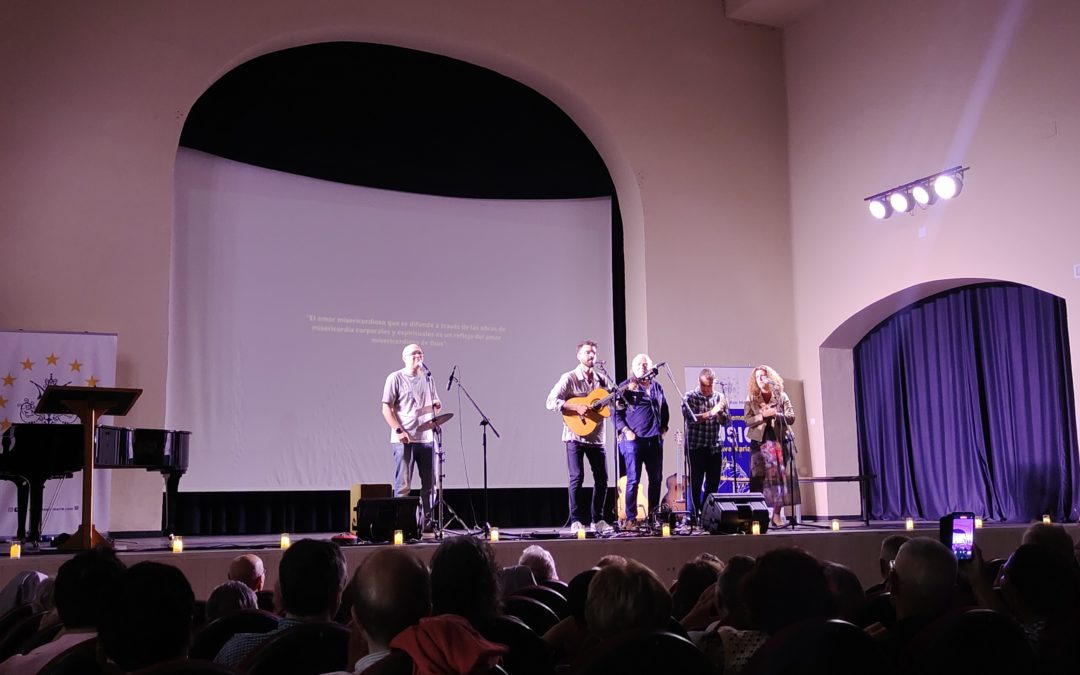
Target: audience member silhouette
<point x="82" y="589"/>
<point x="541" y="562"/>
<point x="230" y="597"/>
<point x="311" y="578"/>
<point x="147" y="617"/>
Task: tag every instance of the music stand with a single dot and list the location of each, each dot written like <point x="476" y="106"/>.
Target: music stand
<point x="89" y="403"/>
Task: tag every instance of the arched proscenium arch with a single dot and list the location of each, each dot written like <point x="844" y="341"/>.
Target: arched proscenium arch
<point x="840" y="426"/>
<point x="569" y="101"/>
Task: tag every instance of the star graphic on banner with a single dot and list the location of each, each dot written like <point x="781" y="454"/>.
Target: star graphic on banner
<point x="52" y="359"/>
<point x="4" y="424"/>
<point x="75" y="366"/>
<point x="3" y="402"/>
<point x="28" y="364"/>
<point x="91" y="382"/>
<point x="9" y="381"/>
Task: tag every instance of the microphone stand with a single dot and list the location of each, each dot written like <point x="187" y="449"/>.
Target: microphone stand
<point x="436" y="457"/>
<point x="616" y="454"/>
<point x="485" y="422"/>
<point x="688" y="414"/>
<point x="782" y="431"/>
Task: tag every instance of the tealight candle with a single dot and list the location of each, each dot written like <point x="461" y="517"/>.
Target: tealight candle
<point x="909" y="524"/>
<point x="1046" y="519"/>
<point x="665" y="530"/>
<point x="581" y="533"/>
<point x="978" y="523"/>
<point x="177" y="545"/>
<point x="399" y="537"/>
<point x="494" y="535"/>
<point x="285" y="540"/>
<point x="835" y="525"/>
<point x="16" y="550"/>
<point x="755" y="527"/>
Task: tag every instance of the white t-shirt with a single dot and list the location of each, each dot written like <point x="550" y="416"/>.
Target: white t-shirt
<point x="412" y="398"/>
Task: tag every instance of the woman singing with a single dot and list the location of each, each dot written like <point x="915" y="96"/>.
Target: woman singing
<point x="769" y="416"/>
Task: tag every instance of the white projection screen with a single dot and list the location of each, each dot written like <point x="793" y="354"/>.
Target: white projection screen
<point x="291" y="300"/>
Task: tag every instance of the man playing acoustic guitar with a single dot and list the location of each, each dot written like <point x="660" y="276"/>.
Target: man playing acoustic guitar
<point x="580" y="397"/>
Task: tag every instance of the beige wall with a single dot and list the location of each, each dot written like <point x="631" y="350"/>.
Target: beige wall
<point x="687" y="109"/>
<point x="880" y="93"/>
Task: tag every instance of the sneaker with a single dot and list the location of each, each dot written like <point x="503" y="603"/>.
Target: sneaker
<point x="576" y="527"/>
<point x="601" y="527"/>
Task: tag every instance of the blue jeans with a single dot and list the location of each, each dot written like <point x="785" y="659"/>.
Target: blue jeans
<point x="406" y="455"/>
<point x="650" y="453"/>
<point x="575" y="464"/>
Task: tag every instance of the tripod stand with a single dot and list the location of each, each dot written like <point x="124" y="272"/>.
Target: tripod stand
<point x="441" y="507"/>
<point x="485" y="422"/>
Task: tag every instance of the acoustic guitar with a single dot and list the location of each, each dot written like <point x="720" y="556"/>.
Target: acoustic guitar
<point x="675" y="499"/>
<point x="599" y="403"/>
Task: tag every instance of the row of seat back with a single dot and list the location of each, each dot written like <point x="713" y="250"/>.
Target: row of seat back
<point x="307" y="649"/>
<point x="652" y="652"/>
<point x="208" y="640"/>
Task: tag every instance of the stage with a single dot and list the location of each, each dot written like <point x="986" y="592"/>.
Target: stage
<point x="205" y="559"/>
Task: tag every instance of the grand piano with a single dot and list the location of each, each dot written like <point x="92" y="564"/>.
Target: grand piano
<point x="31" y="454"/>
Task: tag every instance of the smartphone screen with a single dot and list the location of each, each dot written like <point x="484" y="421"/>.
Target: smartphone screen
<point x="963" y="535"/>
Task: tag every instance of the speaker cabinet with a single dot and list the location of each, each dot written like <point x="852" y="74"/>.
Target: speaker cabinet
<point x="376" y="519"/>
<point x="734" y="513"/>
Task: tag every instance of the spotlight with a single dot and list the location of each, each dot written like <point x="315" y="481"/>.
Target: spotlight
<point x="923" y="194"/>
<point x="880" y="209"/>
<point x="901" y="201"/>
<point x="948" y="186"/>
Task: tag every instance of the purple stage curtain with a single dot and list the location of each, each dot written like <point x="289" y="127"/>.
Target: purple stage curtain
<point x="965" y="403"/>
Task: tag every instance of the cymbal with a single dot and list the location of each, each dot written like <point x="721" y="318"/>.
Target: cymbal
<point x="436" y="421"/>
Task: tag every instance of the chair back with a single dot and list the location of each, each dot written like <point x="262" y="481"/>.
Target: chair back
<point x="43" y="636"/>
<point x="19" y="633"/>
<point x="556" y="585"/>
<point x="975" y="641"/>
<point x="528" y="655"/>
<point x="398" y="662"/>
<point x="78" y="660"/>
<point x="549" y="597"/>
<point x="818" y="645"/>
<point x="210" y="638"/>
<point x="14" y="616"/>
<point x="644" y="652"/>
<point x="307" y="649"/>
<point x="533" y="613"/>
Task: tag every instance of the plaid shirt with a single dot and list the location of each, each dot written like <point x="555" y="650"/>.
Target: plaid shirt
<point x="242" y="645"/>
<point x="707" y="433"/>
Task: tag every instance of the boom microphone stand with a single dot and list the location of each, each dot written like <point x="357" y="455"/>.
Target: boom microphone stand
<point x="688" y="414"/>
<point x="437" y="465"/>
<point x="485" y="422"/>
<point x="782" y="428"/>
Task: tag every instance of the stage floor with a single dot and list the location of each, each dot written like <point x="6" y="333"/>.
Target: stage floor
<point x="205" y="560"/>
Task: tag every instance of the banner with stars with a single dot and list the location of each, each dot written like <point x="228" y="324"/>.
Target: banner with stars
<point x="30" y="362"/>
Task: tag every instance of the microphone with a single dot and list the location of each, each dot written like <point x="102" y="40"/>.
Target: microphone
<point x="451" y="382"/>
<point x="426" y="369"/>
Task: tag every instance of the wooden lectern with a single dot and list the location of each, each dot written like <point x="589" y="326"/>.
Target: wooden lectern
<point x="89" y="403"/>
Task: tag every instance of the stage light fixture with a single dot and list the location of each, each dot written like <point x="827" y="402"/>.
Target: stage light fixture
<point x="922" y="192"/>
<point x="880" y="209"/>
<point x="948" y="186"/>
<point x="901" y="201"/>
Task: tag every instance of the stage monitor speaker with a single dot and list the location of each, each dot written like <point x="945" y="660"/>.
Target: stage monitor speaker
<point x="376" y="519"/>
<point x="733" y="513"/>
